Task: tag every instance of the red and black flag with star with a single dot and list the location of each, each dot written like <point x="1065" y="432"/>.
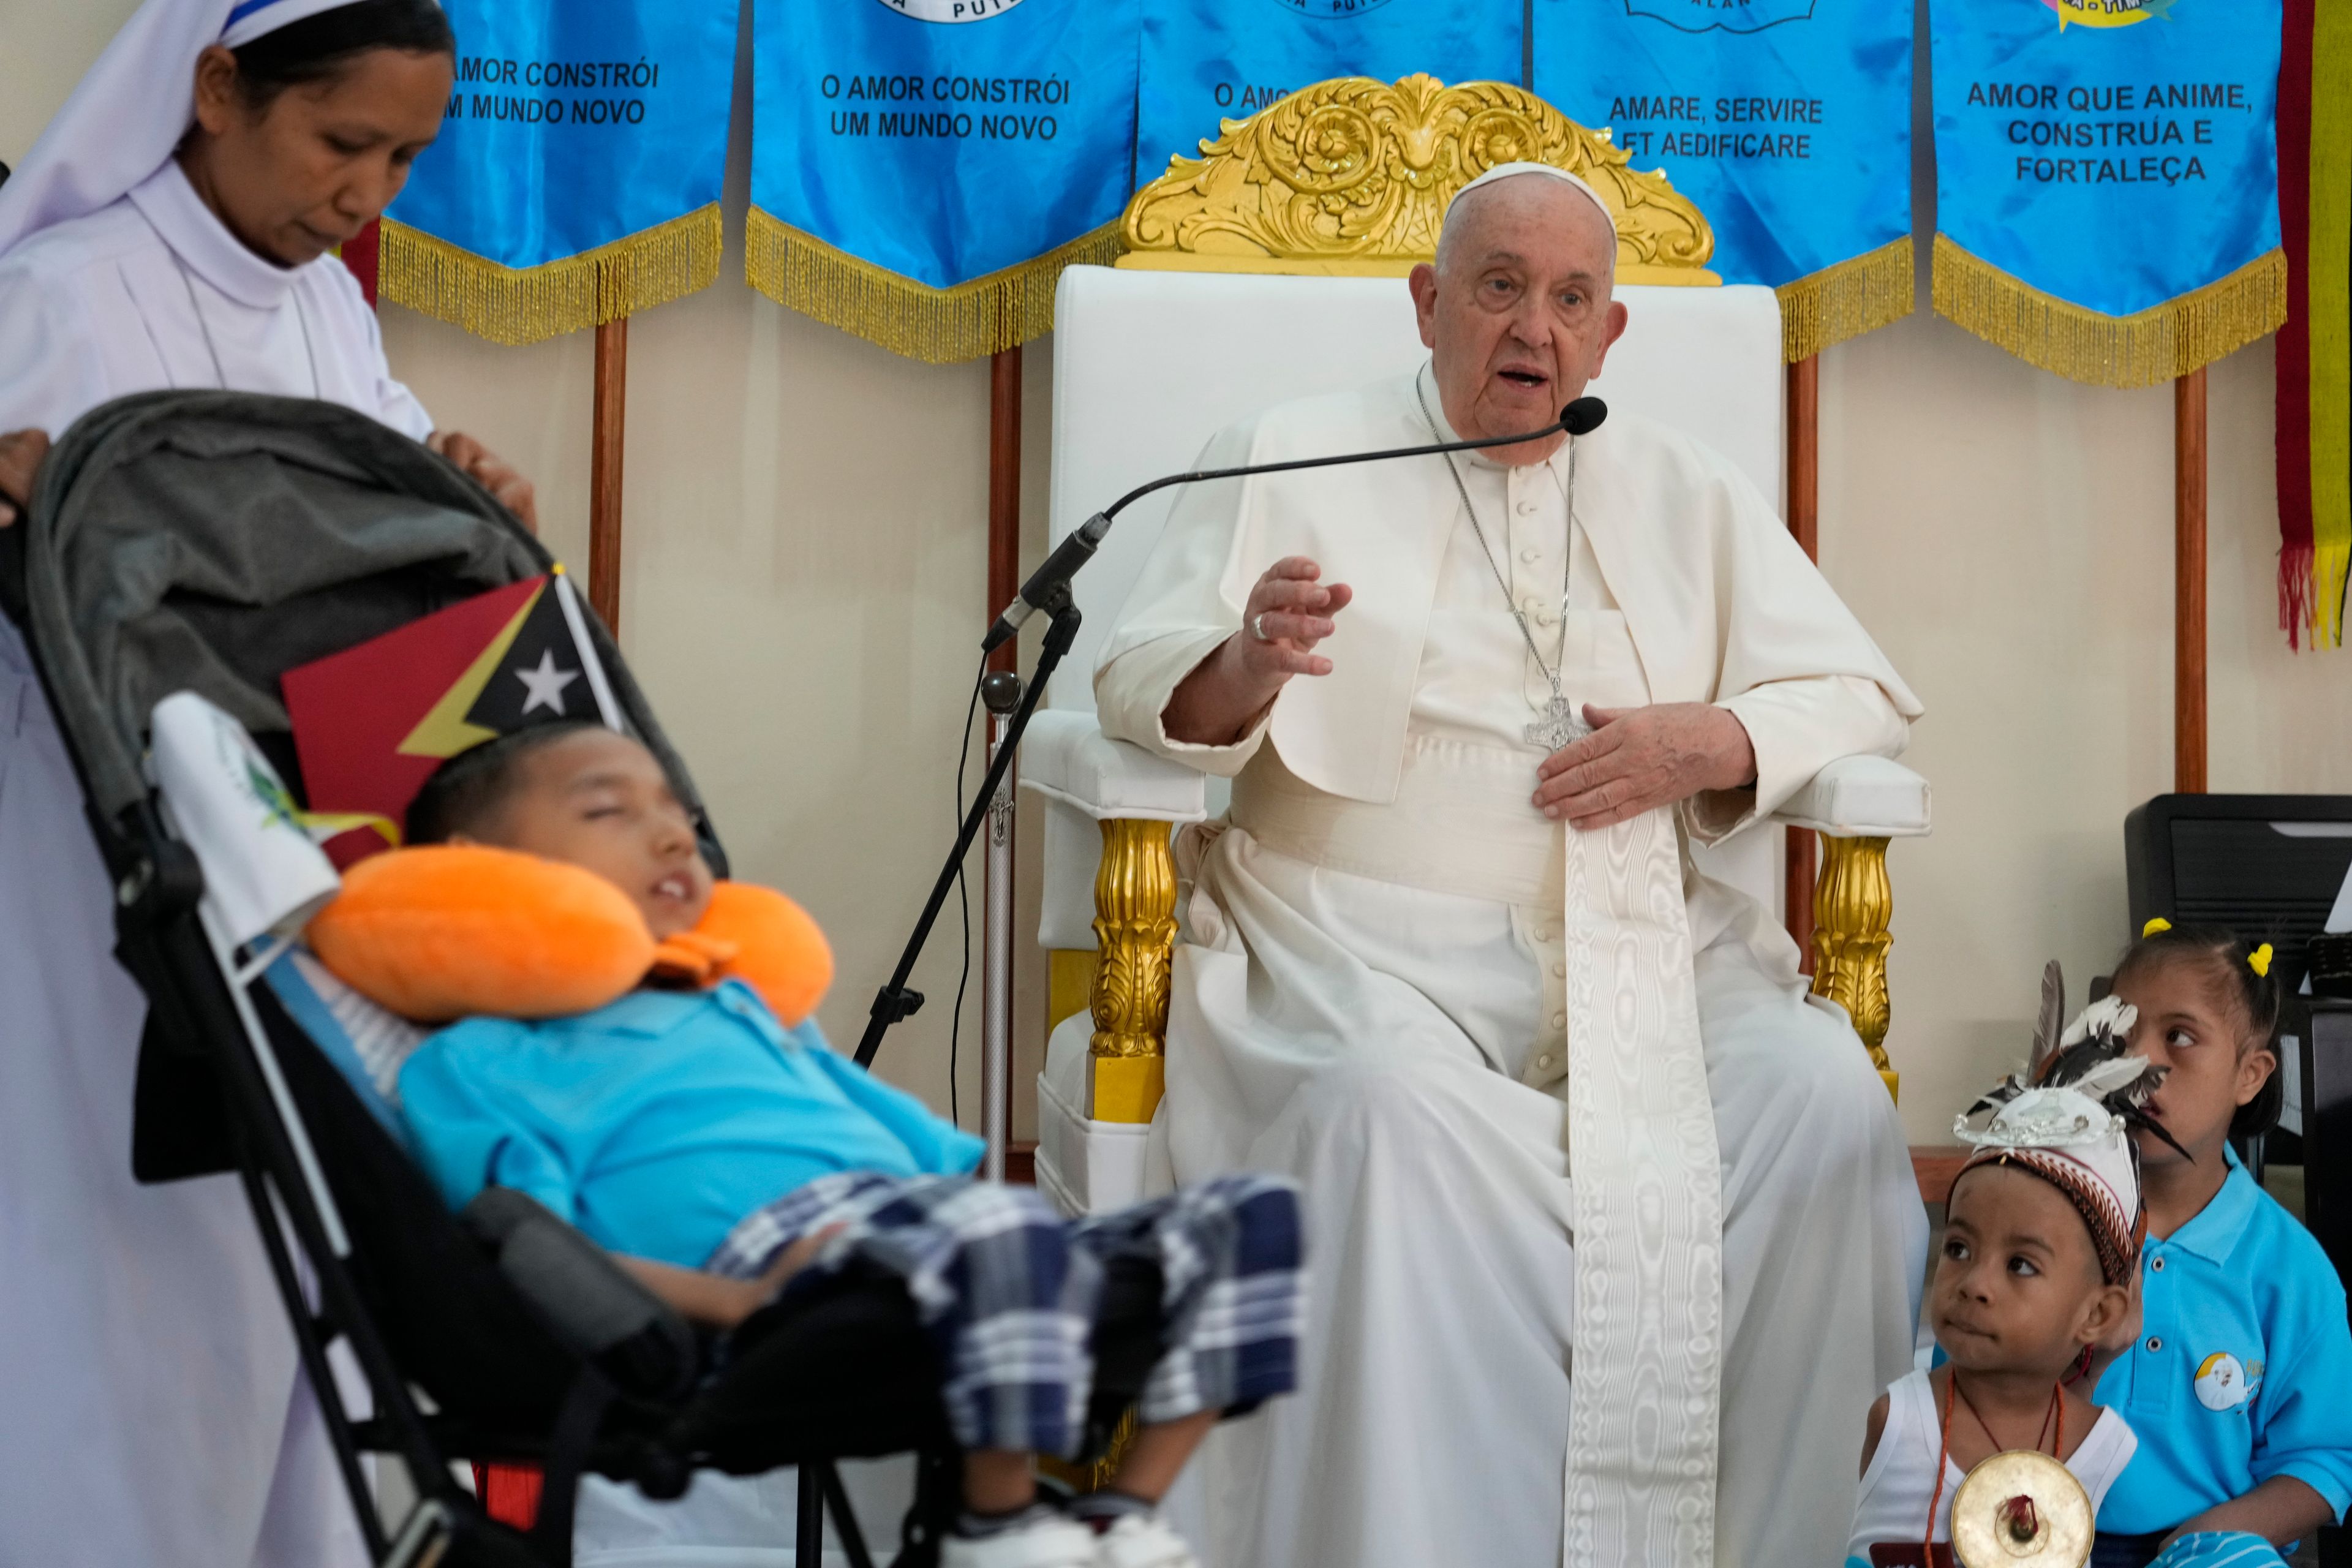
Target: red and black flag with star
<point x="372" y="722"/>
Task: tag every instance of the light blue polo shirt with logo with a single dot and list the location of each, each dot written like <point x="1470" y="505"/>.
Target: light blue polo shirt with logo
<point x="2244" y="1367"/>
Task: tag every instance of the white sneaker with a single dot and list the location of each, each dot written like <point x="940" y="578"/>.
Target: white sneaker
<point x="1052" y="1542"/>
<point x="1142" y="1541"/>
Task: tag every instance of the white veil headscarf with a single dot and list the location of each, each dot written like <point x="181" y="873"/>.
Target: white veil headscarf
<point x="127" y="114"/>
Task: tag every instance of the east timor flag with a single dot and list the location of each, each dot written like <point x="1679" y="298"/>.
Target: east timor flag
<point x="372" y="722"/>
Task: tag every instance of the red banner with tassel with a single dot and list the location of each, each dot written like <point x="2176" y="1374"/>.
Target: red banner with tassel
<point x="360" y="253"/>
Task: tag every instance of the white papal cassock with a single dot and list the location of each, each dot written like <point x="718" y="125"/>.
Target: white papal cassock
<point x="154" y="1411"/>
<point x="1388" y="951"/>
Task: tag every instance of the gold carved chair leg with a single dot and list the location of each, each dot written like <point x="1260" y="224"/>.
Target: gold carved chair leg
<point x="1095" y="1474"/>
<point x="1852" y="904"/>
<point x="1134" y="931"/>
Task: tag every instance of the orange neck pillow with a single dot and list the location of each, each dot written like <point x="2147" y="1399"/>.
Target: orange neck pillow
<point x="444" y="932"/>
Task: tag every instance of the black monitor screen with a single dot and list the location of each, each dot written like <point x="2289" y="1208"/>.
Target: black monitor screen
<point x="2270" y="867"/>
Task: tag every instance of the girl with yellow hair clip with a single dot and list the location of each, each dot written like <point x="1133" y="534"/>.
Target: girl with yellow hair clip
<point x="2235" y="1378"/>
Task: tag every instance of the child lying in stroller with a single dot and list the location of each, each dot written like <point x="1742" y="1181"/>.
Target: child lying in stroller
<point x="722" y="1157"/>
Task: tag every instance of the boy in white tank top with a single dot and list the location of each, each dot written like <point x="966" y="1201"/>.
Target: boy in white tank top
<point x="2041" y="1245"/>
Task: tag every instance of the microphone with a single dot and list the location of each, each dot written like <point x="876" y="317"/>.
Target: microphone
<point x="1054" y="573"/>
<point x="1048" y="586"/>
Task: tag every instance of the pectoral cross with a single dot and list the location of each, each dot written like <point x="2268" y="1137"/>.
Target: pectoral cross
<point x="1556" y="725"/>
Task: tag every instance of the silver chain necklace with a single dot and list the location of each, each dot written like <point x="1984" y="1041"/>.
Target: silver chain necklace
<point x="1557" y="722"/>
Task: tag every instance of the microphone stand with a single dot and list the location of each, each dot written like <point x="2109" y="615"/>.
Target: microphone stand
<point x="897" y="1002"/>
<point x="1048" y="591"/>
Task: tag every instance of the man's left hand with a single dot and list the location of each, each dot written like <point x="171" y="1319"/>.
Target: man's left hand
<point x="1638" y="759"/>
<point x="491" y="472"/>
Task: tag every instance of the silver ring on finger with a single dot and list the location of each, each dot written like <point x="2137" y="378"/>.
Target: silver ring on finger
<point x="1257" y="627"/>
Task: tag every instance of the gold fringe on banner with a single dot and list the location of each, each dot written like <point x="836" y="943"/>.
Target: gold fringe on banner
<point x="2155" y="346"/>
<point x="939" y="326"/>
<point x="1858" y="295"/>
<point x="522" y="305"/>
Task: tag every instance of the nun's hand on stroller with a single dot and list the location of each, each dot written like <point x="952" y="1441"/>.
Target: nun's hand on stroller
<point x="491" y="472"/>
<point x="21" y="452"/>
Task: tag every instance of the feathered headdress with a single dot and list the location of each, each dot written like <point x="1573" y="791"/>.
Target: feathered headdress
<point x="2069" y="1118"/>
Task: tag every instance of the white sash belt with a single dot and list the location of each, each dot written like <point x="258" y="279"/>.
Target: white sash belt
<point x="1461" y="824"/>
<point x="1643" y="1442"/>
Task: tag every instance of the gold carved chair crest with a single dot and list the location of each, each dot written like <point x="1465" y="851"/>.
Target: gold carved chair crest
<point x="1350" y="177"/>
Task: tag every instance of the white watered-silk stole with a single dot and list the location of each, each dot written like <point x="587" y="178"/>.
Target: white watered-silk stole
<point x="1642" y="1444"/>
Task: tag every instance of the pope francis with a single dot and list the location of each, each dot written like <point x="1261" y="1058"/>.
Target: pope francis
<point x="1613" y="1231"/>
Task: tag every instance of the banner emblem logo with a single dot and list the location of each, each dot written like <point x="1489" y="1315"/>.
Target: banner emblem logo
<point x="2221" y="1382"/>
<point x="2109" y="13"/>
<point x="1729" y="15"/>
<point x="1331" y="10"/>
<point x="949" y="10"/>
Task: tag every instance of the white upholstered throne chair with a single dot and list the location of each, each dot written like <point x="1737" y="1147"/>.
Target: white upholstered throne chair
<point x="1271" y="268"/>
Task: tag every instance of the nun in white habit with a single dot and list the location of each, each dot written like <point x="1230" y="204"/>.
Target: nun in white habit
<point x="174" y="226"/>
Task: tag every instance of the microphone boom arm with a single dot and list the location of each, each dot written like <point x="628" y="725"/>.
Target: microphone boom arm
<point x="1557" y="427"/>
<point x="1079" y="547"/>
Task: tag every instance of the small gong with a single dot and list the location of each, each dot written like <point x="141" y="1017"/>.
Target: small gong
<point x="2022" y="1510"/>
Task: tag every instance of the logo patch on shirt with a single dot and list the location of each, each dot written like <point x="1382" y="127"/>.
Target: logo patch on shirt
<point x="2221" y="1381"/>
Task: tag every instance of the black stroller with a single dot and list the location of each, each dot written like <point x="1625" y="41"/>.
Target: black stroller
<point x="210" y="542"/>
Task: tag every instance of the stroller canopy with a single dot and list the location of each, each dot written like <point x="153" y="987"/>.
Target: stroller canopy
<point x="211" y="541"/>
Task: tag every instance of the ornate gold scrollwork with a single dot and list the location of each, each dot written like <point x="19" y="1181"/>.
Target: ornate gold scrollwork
<point x="1352" y="177"/>
<point x="1135" y="927"/>
<point x="1854" y="903"/>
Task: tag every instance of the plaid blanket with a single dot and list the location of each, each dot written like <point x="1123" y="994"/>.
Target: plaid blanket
<point x="1009" y="1290"/>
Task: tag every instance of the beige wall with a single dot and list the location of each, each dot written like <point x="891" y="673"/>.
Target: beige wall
<point x="806" y="547"/>
<point x="2007" y="538"/>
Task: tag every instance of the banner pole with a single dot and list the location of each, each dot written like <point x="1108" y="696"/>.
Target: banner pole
<point x="998" y="887"/>
<point x="2189" y="466"/>
<point x="610" y="424"/>
<point x="1804" y="405"/>
<point x="1004" y="489"/>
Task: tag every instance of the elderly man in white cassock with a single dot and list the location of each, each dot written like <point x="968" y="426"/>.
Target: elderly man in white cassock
<point x="1614" y="1234"/>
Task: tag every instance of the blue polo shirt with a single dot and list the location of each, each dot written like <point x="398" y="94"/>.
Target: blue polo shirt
<point x="655" y="1123"/>
<point x="2244" y="1367"/>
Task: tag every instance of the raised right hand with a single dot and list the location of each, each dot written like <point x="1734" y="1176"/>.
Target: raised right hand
<point x="1293" y="609"/>
<point x="21" y="452"/>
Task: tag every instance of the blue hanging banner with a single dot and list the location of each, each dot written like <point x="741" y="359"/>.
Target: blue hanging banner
<point x="922" y="170"/>
<point x="1213" y="61"/>
<point x="1788" y="122"/>
<point x="577" y="175"/>
<point x="2106" y="184"/>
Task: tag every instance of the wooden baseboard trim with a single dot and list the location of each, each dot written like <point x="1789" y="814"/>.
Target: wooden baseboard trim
<point x="1936" y="1165"/>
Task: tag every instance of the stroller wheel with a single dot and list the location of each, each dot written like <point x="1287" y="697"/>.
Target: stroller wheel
<point x="662" y="1476"/>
